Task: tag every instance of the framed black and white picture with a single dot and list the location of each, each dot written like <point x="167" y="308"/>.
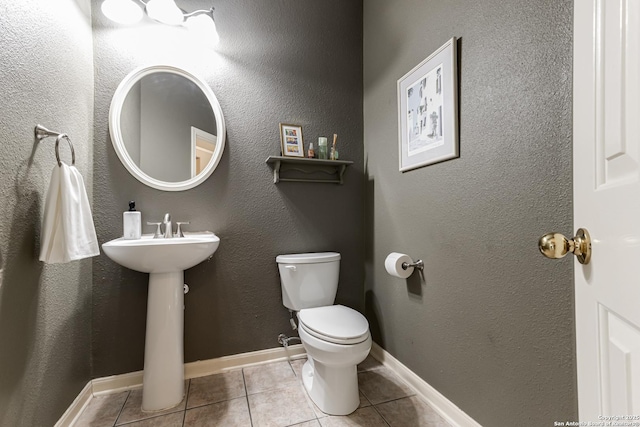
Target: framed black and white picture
<point x="428" y="110"/>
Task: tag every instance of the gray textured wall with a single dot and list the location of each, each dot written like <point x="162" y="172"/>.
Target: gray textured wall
<point x="278" y="61"/>
<point x="45" y="310"/>
<point x="491" y="326"/>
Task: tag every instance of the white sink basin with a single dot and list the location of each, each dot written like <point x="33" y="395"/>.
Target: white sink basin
<point x="150" y="255"/>
<point x="165" y="260"/>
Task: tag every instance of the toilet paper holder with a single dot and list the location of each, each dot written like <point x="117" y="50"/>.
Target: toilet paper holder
<point x="419" y="264"/>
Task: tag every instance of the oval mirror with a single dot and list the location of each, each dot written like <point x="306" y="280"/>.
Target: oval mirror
<point x="167" y="127"/>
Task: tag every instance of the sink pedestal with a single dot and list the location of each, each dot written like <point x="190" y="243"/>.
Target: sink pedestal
<point x="165" y="260"/>
<point x="163" y="378"/>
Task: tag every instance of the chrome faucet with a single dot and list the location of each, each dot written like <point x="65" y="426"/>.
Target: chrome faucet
<point x="168" y="229"/>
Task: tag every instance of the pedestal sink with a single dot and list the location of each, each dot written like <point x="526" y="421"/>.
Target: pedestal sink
<point x="165" y="260"/>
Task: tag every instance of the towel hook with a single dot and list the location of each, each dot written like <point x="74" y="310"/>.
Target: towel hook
<point x="42" y="132"/>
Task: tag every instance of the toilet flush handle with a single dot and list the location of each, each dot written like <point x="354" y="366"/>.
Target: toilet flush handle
<point x="290" y="267"/>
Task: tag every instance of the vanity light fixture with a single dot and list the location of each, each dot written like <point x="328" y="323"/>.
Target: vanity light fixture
<point x="122" y="11"/>
<point x="164" y="11"/>
<point x="201" y="23"/>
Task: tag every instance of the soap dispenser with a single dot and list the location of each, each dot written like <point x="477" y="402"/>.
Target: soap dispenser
<point x="132" y="223"/>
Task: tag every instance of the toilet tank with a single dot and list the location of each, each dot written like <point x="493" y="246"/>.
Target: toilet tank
<point x="309" y="280"/>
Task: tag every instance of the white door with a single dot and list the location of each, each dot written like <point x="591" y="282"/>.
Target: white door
<point x="203" y="145"/>
<point x="606" y="132"/>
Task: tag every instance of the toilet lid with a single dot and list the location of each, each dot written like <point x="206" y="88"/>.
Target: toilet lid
<point x="335" y="323"/>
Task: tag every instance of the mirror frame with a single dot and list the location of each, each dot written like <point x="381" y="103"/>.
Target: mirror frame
<point x="115" y="111"/>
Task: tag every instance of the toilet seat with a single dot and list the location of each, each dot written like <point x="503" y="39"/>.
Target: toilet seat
<point x="335" y="323"/>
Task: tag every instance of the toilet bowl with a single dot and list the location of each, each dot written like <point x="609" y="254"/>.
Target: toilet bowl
<point x="330" y="373"/>
<point x="336" y="338"/>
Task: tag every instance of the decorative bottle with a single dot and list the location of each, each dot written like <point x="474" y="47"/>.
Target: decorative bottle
<point x="322" y="148"/>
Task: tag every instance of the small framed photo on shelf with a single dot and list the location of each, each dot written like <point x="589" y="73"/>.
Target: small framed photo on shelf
<point x="428" y="110"/>
<point x="291" y="140"/>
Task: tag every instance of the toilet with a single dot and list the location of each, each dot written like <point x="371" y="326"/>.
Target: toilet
<point x="336" y="338"/>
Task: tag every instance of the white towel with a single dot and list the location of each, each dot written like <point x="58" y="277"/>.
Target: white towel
<point x="68" y="233"/>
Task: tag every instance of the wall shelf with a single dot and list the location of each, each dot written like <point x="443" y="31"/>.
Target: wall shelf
<point x="302" y="169"/>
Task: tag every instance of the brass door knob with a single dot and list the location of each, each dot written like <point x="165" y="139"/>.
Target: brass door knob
<point x="556" y="246"/>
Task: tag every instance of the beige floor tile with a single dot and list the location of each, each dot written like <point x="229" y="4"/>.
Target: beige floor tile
<point x="316" y="411"/>
<point x="170" y="420"/>
<point x="312" y="423"/>
<point x="132" y="410"/>
<point x="363" y="404"/>
<point x="215" y="388"/>
<point x="410" y="411"/>
<point x="102" y="410"/>
<point x="271" y="376"/>
<point x="366" y="417"/>
<point x="296" y="365"/>
<point x="369" y="364"/>
<point x="279" y="408"/>
<point x="230" y="413"/>
<point x="382" y="385"/>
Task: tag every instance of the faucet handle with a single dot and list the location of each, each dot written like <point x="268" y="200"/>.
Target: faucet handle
<point x="158" y="232"/>
<point x="179" y="232"/>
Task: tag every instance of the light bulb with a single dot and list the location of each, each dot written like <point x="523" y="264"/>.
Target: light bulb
<point x="122" y="11"/>
<point x="165" y="11"/>
<point x="204" y="28"/>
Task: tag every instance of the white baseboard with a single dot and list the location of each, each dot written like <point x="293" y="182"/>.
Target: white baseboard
<point x="75" y="409"/>
<point x="443" y="406"/>
<point x="116" y="383"/>
<point x="201" y="368"/>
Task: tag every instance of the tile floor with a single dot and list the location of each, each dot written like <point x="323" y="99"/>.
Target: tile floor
<point x="267" y="395"/>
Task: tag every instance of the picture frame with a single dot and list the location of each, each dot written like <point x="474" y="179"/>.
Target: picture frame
<point x="291" y="141"/>
<point x="428" y="110"/>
